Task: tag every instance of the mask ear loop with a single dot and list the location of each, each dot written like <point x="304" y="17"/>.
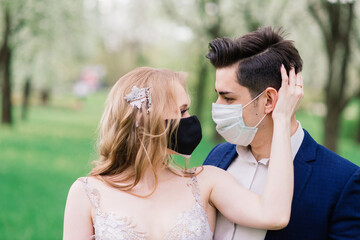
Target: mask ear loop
<point x="254" y="99"/>
<point x="261" y="120"/>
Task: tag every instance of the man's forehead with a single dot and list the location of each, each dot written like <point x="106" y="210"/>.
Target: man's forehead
<point x="227" y="71"/>
<point x="231" y="89"/>
<point x="225" y="83"/>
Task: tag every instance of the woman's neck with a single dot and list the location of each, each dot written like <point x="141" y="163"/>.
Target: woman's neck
<point x="151" y="179"/>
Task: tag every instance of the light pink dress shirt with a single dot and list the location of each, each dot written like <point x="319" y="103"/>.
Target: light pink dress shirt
<point x="252" y="175"/>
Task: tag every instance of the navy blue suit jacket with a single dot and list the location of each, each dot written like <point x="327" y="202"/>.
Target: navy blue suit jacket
<point x="326" y="202"/>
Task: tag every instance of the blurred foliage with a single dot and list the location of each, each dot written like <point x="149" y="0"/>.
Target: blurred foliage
<point x="50" y="39"/>
<point x="336" y="21"/>
<point x="123" y="34"/>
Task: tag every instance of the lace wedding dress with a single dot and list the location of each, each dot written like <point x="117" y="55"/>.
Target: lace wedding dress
<point x="190" y="225"/>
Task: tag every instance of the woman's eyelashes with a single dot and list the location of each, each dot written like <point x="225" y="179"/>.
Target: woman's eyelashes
<point x="184" y="111"/>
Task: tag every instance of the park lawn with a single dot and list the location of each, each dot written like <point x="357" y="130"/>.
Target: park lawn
<point x="42" y="157"/>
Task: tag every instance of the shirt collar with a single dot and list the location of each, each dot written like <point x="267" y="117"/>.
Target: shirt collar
<point x="295" y="140"/>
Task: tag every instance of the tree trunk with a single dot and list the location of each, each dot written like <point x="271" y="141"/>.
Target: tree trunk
<point x="5" y="65"/>
<point x="335" y="22"/>
<point x="358" y="126"/>
<point x="332" y="123"/>
<point x="6" y="90"/>
<point x="335" y="91"/>
<point x="200" y="87"/>
<point x="26" y="96"/>
<point x="45" y="96"/>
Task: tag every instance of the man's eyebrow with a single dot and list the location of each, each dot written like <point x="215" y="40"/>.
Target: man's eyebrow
<point x="223" y="92"/>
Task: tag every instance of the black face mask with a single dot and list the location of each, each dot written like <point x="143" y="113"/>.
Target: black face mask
<point x="187" y="137"/>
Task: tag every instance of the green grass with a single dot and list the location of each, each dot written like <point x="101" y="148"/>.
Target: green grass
<point x="41" y="157"/>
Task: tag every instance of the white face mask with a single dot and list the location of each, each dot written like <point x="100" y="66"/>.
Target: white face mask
<point x="230" y="123"/>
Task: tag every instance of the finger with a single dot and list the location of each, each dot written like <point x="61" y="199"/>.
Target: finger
<point x="284" y="76"/>
<point x="301" y="80"/>
<point x="299" y="85"/>
<point x="298" y="79"/>
<point x="292" y="77"/>
<point x="302" y="84"/>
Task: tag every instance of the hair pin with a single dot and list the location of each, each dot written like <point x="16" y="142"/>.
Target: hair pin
<point x="139" y="96"/>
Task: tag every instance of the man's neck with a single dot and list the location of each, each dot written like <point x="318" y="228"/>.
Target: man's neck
<point x="261" y="147"/>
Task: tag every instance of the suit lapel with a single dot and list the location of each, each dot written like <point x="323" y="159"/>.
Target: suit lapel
<point x="303" y="170"/>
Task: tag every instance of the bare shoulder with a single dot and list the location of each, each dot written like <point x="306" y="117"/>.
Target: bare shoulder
<point x="78" y="201"/>
<point x="211" y="171"/>
<point x="210" y="174"/>
<point x="77" y="191"/>
<point x="77" y="217"/>
<point x="78" y="185"/>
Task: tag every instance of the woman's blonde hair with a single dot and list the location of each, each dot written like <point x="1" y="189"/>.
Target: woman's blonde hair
<point x="132" y="140"/>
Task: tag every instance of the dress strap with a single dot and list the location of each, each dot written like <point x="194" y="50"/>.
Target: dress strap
<point x="195" y="189"/>
<point x="92" y="193"/>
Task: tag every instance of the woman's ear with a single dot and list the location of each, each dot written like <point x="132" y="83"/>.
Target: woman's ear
<point x="271" y="99"/>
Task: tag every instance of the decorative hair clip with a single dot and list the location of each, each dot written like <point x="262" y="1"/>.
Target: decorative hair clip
<point x="139" y="96"/>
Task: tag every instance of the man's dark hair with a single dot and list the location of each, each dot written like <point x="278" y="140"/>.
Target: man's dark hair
<point x="259" y="55"/>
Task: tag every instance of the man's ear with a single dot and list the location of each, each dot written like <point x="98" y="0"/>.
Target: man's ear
<point x="271" y="99"/>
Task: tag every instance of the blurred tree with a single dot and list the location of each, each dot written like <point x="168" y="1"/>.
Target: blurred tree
<point x="358" y="125"/>
<point x="357" y="38"/>
<point x="126" y="30"/>
<point x="5" y="66"/>
<point x="36" y="28"/>
<point x="335" y="20"/>
<point x="253" y="16"/>
<point x="206" y="26"/>
<point x="26" y="99"/>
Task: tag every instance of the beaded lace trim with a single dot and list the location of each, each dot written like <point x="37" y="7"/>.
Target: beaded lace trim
<point x="190" y="225"/>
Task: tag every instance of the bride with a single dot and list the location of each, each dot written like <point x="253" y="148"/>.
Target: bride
<point x="136" y="191"/>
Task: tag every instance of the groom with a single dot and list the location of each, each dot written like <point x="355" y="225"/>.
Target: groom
<point x="326" y="201"/>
